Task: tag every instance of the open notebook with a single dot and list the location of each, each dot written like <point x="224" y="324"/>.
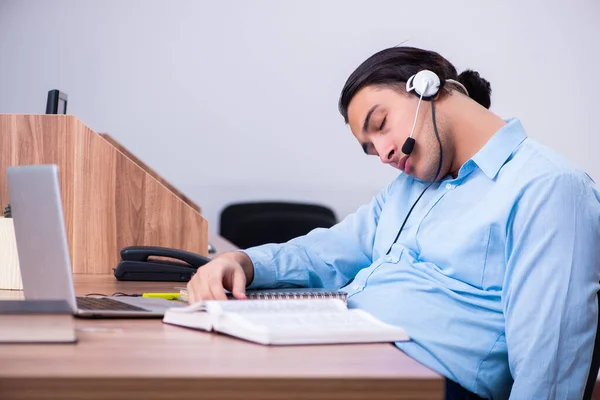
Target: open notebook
<point x="284" y="322"/>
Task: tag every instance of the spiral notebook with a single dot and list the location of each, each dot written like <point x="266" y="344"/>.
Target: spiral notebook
<point x="283" y="294"/>
<point x="286" y="322"/>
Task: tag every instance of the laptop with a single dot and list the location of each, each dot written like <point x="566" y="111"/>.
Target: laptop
<point x="43" y="249"/>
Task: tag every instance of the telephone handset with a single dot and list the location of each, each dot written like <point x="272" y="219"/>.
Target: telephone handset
<point x="140" y="263"/>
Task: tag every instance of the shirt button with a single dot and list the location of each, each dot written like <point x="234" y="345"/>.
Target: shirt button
<point x="355" y="287"/>
<point x="450" y="186"/>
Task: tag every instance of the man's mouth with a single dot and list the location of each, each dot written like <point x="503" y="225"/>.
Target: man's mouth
<point x="401" y="165"/>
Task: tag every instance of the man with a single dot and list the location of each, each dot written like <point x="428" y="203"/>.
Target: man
<point x="485" y="248"/>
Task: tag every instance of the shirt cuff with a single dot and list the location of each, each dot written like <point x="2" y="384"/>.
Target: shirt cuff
<point x="265" y="275"/>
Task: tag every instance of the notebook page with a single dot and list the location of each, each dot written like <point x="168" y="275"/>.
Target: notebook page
<point x="322" y="321"/>
<point x="349" y="326"/>
<point x="277" y="306"/>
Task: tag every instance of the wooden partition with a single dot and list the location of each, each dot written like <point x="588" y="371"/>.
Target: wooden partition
<point x="110" y="199"/>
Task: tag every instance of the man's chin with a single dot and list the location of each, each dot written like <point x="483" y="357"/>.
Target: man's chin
<point x="419" y="177"/>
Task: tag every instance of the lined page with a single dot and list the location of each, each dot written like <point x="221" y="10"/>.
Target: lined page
<point x="277" y="306"/>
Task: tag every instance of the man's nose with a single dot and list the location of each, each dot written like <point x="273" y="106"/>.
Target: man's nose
<point x="388" y="154"/>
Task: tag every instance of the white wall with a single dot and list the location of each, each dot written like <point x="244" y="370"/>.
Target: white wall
<point x="237" y="100"/>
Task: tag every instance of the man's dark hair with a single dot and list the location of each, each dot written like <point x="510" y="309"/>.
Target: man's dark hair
<point x="394" y="66"/>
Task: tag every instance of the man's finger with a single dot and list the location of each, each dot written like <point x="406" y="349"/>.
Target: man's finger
<point x="216" y="287"/>
<point x="204" y="292"/>
<point x="193" y="288"/>
<point x="239" y="285"/>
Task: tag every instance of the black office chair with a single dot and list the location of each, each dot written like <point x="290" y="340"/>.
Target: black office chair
<point x="253" y="224"/>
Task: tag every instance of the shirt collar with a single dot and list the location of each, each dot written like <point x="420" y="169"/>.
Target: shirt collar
<point x="493" y="155"/>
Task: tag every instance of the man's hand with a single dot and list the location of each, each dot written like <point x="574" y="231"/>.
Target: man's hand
<point x="229" y="271"/>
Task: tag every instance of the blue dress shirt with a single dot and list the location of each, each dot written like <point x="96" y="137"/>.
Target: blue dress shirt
<point x="494" y="276"/>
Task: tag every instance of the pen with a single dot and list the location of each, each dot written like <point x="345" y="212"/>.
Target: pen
<point x="166" y="296"/>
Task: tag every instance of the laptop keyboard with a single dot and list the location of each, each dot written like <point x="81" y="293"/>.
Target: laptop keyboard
<point x="104" y="303"/>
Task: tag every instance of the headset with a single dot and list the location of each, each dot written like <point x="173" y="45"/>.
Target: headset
<point x="426" y="84"/>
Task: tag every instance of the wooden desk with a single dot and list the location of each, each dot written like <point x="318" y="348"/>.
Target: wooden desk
<point x="146" y="359"/>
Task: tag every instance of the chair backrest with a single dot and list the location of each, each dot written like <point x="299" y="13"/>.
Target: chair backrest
<point x="593" y="374"/>
<point x="256" y="223"/>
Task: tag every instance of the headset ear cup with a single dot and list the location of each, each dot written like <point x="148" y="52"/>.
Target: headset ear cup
<point x="425" y="83"/>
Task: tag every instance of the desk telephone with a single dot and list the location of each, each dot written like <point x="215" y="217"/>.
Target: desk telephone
<point x="140" y="263"/>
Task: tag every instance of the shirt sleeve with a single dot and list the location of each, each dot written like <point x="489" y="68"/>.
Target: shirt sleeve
<point x="327" y="258"/>
<point x="550" y="290"/>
